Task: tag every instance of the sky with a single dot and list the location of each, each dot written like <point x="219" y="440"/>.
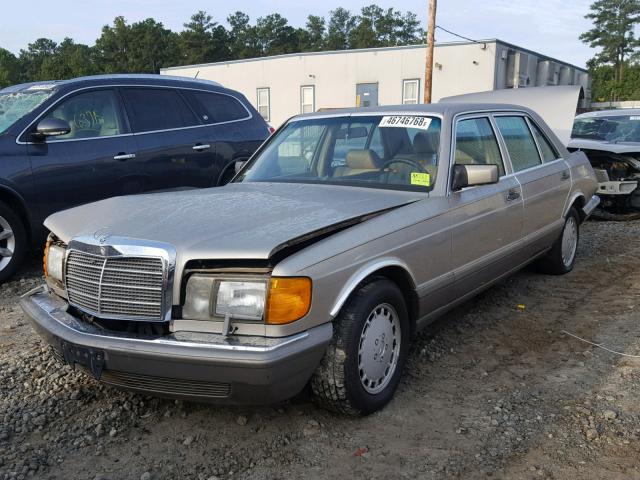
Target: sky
<point x="550" y="27"/>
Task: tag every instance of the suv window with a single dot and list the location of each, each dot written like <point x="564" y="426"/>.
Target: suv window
<point x="89" y="114"/>
<point x="157" y="109"/>
<point x="476" y="144"/>
<point x="548" y="152"/>
<point x="216" y="107"/>
<point x="517" y="136"/>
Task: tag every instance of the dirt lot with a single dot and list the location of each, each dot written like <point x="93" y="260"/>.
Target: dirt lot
<point x="494" y="389"/>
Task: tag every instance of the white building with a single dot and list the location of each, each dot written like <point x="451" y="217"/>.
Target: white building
<point x="285" y="85"/>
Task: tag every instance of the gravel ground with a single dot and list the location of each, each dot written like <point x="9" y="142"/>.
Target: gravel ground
<point x="494" y="389"/>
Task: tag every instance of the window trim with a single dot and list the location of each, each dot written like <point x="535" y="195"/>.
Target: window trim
<point x="118" y="87"/>
<point x="404" y="83"/>
<point x="268" y="105"/>
<point x="525" y="117"/>
<point x="189" y="99"/>
<point x="313" y="98"/>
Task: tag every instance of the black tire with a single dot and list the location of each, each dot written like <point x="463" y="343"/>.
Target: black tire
<point x="553" y="262"/>
<point x="336" y="384"/>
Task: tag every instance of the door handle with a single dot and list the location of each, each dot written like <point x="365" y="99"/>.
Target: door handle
<point x="200" y="147"/>
<point x="512" y="194"/>
<point x="565" y="175"/>
<point x="124" y="156"/>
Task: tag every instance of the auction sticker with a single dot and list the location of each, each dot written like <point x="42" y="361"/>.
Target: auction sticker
<point x="422" y="179"/>
<point x="405" y="121"/>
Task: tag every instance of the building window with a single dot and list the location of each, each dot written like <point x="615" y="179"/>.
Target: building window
<point x="307" y="99"/>
<point x="410" y="90"/>
<point x="264" y="103"/>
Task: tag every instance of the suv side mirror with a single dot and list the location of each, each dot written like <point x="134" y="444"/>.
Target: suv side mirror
<point x="52" y="127"/>
<point x="472" y="175"/>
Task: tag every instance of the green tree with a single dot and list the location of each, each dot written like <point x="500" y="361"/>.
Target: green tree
<point x="9" y="68"/>
<point x="341" y="23"/>
<point x="203" y="40"/>
<point x="242" y="37"/>
<point x="32" y="58"/>
<point x="275" y="36"/>
<point x="614" y="22"/>
<point x="312" y="37"/>
<point x="69" y="60"/>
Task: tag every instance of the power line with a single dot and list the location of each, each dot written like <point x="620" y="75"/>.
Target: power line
<point x="456" y="35"/>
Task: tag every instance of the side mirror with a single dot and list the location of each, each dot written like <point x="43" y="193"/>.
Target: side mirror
<point x="472" y="175"/>
<point x="52" y="127"/>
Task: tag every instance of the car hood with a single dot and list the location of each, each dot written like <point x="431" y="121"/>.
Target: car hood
<point x="619" y="147"/>
<point x="237" y="221"/>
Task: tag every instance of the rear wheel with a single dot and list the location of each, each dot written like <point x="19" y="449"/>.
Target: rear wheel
<point x="562" y="256"/>
<point x="362" y="366"/>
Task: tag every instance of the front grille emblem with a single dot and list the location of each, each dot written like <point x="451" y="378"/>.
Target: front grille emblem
<point x="101" y="235"/>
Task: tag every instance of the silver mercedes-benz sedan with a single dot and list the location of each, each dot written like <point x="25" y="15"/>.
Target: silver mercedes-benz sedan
<point x="345" y="234"/>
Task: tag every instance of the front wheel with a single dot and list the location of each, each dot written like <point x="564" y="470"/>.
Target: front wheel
<point x="362" y="366"/>
<point x="562" y="256"/>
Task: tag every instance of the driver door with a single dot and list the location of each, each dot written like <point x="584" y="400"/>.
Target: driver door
<point x="86" y="164"/>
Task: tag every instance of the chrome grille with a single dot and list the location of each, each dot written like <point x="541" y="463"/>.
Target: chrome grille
<point x="116" y="287"/>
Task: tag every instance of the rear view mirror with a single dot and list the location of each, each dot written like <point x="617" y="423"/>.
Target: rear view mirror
<point x="355" y="132"/>
<point x="52" y="127"/>
<point x="472" y="175"/>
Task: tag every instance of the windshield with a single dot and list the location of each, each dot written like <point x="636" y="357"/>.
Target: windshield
<point x="614" y="128"/>
<point x="15" y="105"/>
<point x="391" y="151"/>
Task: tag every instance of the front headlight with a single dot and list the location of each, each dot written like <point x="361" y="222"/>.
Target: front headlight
<point x="209" y="297"/>
<point x="275" y="300"/>
<point x="54" y="262"/>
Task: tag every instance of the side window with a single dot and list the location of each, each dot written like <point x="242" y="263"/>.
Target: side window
<point x="215" y="107"/>
<point x="522" y="149"/>
<point x="476" y="144"/>
<point x="264" y="103"/>
<point x="89" y="114"/>
<point x="157" y="109"/>
<point x="548" y="152"/>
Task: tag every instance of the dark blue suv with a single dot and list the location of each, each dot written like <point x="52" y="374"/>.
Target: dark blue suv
<point x="64" y="143"/>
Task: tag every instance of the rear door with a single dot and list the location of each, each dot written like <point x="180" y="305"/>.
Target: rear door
<point x="230" y="132"/>
<point x="86" y="164"/>
<point x="171" y="152"/>
<point x="487" y="219"/>
<point x="544" y="177"/>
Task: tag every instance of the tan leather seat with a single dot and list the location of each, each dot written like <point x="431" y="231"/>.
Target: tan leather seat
<point x="358" y="161"/>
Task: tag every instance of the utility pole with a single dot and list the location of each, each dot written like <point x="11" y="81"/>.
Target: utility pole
<point x="428" y="70"/>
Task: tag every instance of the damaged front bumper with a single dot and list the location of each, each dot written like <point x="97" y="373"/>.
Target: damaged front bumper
<point x="185" y="365"/>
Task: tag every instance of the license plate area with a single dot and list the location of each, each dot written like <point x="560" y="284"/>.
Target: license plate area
<point x="89" y="358"/>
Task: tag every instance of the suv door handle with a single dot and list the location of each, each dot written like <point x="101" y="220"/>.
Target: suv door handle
<point x="565" y="175"/>
<point x="512" y="194"/>
<point x="124" y="156"/>
<point x="198" y="147"/>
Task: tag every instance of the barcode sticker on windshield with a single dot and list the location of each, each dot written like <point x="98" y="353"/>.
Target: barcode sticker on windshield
<point x="405" y="121"/>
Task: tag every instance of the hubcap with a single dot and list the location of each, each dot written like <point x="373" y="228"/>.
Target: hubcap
<point x="379" y="348"/>
<point x="569" y="241"/>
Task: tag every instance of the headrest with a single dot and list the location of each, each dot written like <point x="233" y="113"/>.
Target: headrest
<point x="362" y="159"/>
<point x="426" y="142"/>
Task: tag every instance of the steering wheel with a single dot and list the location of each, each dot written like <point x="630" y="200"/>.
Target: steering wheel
<point x="406" y="161"/>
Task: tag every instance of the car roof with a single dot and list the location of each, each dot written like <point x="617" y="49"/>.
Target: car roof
<point x="442" y="109"/>
<point x="110" y="79"/>
<point x="610" y="113"/>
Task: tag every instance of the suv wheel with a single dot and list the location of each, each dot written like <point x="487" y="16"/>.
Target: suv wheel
<point x="362" y="366"/>
<point x="13" y="241"/>
<point x="562" y="256"/>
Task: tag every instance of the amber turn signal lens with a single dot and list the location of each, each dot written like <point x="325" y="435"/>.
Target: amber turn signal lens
<point x="44" y="258"/>
<point x="289" y="299"/>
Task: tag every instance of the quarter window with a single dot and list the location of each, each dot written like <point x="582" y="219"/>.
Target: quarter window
<point x="520" y="144"/>
<point x="89" y="114"/>
<point x="264" y="107"/>
<point x="215" y="107"/>
<point x="476" y="144"/>
<point x="410" y="91"/>
<point x="307" y="99"/>
<point x="548" y="152"/>
<point x="152" y="109"/>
